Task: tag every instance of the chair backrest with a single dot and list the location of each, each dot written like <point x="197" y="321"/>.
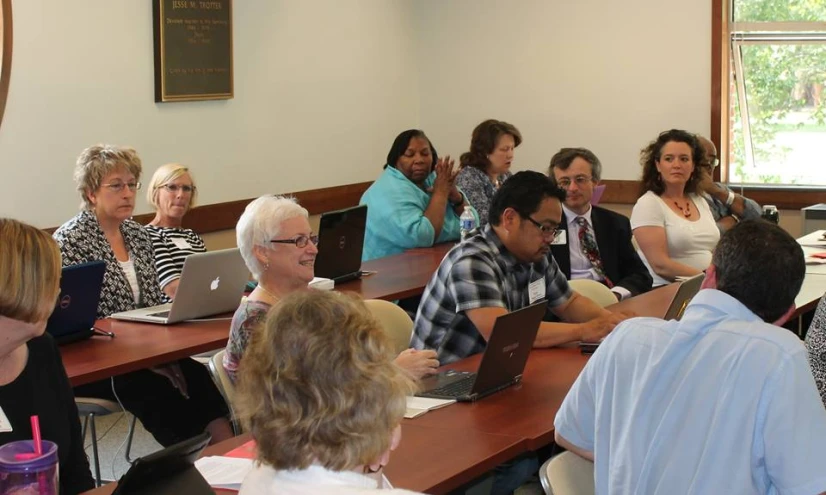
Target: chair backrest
<point x="594" y="291"/>
<point x="567" y="474"/>
<point x="220" y="377"/>
<point x="394" y="320"/>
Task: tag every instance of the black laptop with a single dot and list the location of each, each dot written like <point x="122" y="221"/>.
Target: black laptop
<point x="170" y="471"/>
<point x="340" y="244"/>
<point x="502" y="364"/>
<point x="74" y="315"/>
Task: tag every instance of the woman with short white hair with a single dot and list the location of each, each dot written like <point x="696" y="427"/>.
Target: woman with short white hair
<point x="279" y="248"/>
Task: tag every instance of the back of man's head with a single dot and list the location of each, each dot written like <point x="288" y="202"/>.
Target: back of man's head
<point x="524" y="192"/>
<point x="760" y="265"/>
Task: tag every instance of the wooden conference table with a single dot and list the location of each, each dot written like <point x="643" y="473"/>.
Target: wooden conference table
<point x="137" y="345"/>
<point x="450" y="447"/>
<point x="441" y="450"/>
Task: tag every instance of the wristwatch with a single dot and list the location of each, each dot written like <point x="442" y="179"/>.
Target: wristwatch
<point x="735" y="217"/>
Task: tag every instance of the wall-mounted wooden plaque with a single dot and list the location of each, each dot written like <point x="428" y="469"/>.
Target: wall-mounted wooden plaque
<point x="193" y="49"/>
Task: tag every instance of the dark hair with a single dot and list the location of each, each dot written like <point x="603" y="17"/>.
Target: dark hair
<point x="760" y="265"/>
<point x="401" y="143"/>
<point x="650" y="155"/>
<point x="523" y="192"/>
<point x="484" y="140"/>
<point x="564" y="157"/>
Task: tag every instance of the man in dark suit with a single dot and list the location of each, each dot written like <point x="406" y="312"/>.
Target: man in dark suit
<point x="597" y="242"/>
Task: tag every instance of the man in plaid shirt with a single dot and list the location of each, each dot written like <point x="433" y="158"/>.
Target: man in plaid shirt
<point x="504" y="267"/>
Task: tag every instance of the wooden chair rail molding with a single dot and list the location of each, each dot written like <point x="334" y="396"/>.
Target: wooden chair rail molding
<point x="224" y="216"/>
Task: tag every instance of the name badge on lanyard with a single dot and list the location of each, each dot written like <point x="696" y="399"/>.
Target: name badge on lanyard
<point x="536" y="290"/>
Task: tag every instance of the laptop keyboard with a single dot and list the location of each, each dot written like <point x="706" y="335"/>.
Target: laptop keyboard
<point x="455" y="389"/>
<point x="162" y="314"/>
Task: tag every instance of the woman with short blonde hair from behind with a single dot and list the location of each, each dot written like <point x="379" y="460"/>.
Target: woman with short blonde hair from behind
<point x="32" y="378"/>
<point x="320" y="394"/>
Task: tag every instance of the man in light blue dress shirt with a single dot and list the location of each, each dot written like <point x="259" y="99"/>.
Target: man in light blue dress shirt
<point x="722" y="401"/>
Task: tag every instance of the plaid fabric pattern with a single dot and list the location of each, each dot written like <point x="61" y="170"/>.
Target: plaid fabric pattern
<point x="478" y="273"/>
<point x="589" y="247"/>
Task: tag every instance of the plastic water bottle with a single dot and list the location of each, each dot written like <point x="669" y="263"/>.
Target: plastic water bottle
<point x="467" y="221"/>
<point x="771" y="214"/>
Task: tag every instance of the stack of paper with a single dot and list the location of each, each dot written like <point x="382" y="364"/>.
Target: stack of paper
<point x="815" y="239"/>
<point x="224" y="472"/>
<point x="416" y="406"/>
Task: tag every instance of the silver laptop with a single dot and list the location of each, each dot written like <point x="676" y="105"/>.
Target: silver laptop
<point x="685" y="293"/>
<point x="502" y="363"/>
<point x="211" y="283"/>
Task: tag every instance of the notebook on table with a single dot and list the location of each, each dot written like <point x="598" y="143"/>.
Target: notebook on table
<point x="340" y="244"/>
<point x="76" y="309"/>
<point x="211" y="283"/>
<point x="502" y="363"/>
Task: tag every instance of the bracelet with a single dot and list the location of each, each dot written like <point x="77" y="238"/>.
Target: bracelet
<point x="735" y="217"/>
<point x="730" y="198"/>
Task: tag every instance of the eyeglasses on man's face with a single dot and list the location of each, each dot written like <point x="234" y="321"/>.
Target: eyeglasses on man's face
<point x="579" y="180"/>
<point x="300" y="241"/>
<point x="546" y="230"/>
<point x="174" y="188"/>
<point x="120" y="186"/>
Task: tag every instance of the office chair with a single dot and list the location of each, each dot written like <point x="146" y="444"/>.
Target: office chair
<point x="394" y="320"/>
<point x="224" y="384"/>
<point x="89" y="408"/>
<point x="567" y="474"/>
<point x="594" y="291"/>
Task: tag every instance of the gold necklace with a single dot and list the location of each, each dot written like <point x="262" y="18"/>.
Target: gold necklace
<point x="273" y="296"/>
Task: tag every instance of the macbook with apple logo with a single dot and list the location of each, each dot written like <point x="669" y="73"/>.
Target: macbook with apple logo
<point x="211" y="283"/>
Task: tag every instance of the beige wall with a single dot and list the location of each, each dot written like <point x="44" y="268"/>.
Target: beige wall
<point x="602" y="74"/>
<point x="321" y="89"/>
<point x="323" y="86"/>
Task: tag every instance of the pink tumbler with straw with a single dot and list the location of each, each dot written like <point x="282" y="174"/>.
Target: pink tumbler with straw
<point x="29" y="467"/>
<point x="24" y="474"/>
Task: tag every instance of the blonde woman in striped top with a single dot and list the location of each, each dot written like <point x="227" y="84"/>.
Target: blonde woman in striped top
<point x="172" y="193"/>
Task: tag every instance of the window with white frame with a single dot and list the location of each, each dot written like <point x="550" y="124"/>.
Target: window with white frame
<point x="777" y="106"/>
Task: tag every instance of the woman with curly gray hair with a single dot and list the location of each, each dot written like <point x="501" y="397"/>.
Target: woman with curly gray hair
<point x="320" y="394"/>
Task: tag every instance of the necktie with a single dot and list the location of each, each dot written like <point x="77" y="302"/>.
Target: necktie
<point x="590" y="249"/>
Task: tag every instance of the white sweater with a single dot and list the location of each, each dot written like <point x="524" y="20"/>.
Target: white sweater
<point x="264" y="480"/>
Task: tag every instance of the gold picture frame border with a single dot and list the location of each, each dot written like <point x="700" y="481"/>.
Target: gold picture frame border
<point x="7" y="40"/>
<point x="161" y="96"/>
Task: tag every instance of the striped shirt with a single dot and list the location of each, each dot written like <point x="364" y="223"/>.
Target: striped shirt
<point x="172" y="245"/>
<point x="478" y="273"/>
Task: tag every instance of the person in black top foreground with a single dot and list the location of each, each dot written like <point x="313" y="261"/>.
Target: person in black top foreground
<point x="32" y="377"/>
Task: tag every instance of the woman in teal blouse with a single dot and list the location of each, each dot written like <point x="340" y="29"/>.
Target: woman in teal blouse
<point x="415" y="201"/>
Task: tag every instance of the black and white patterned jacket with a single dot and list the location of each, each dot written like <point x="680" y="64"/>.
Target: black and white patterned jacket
<point x="81" y="240"/>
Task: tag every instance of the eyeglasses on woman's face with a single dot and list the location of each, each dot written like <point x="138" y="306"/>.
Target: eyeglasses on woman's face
<point x="174" y="188"/>
<point x="300" y="241"/>
<point x="120" y="186"/>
